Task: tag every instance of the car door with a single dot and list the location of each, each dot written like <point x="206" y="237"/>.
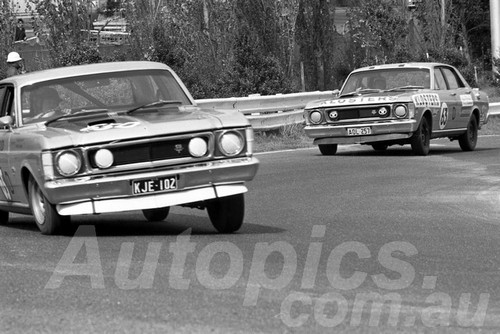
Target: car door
<point x="450" y="119"/>
<point x="6" y="104"/>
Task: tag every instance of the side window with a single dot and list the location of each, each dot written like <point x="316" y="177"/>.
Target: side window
<point x="6" y="101"/>
<point x="453" y="81"/>
<point x="440" y="83"/>
<point x="3" y="110"/>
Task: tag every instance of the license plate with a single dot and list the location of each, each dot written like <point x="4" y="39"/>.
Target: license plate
<point x="359" y="131"/>
<point x="148" y="186"/>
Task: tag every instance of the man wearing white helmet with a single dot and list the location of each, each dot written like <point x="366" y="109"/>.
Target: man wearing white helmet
<point x="14" y="64"/>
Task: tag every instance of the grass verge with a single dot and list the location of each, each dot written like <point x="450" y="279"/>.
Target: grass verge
<point x="293" y="136"/>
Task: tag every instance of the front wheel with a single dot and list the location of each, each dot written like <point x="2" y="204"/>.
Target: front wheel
<point x="46" y="217"/>
<point x="420" y="141"/>
<point x="226" y="213"/>
<point x="328" y="149"/>
<point x="468" y="140"/>
<point x="4" y="217"/>
<point x="156" y="215"/>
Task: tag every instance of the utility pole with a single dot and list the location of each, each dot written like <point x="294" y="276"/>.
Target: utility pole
<point x="495" y="31"/>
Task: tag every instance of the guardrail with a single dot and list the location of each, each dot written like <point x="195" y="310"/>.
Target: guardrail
<point x="268" y="112"/>
<point x="494" y="109"/>
<point x="273" y="111"/>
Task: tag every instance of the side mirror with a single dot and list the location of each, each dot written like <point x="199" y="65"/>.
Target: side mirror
<point x="6" y="121"/>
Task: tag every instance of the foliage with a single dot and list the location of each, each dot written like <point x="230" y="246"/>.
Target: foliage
<point x="241" y="47"/>
<point x="61" y="26"/>
<point x="7" y="28"/>
<point x="378" y="30"/>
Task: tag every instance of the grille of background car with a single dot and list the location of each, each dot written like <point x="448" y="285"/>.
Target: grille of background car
<point x="357" y="113"/>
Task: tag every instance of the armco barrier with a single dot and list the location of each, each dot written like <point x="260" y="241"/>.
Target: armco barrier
<point x="494" y="109"/>
<point x="273" y="111"/>
<point x="268" y="112"/>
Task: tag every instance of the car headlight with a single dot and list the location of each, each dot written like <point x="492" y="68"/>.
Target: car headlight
<point x="400" y="111"/>
<point x="68" y="163"/>
<point x="334" y="115"/>
<point x="231" y="143"/>
<point x="316" y="117"/>
<point x="383" y="111"/>
<point x="198" y="147"/>
<point x="103" y="158"/>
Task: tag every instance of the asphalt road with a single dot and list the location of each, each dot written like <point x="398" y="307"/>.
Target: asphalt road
<point x="362" y="242"/>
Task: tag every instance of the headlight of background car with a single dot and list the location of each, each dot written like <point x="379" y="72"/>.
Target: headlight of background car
<point x="400" y="111"/>
<point x="316" y="117"/>
<point x="68" y="162"/>
<point x="231" y="143"/>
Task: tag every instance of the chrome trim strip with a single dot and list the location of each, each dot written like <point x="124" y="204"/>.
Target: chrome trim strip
<point x="150" y="201"/>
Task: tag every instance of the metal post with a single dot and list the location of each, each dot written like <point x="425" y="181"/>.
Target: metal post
<point x="495" y="31"/>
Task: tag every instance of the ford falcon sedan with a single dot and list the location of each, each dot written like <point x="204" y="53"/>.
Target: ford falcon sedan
<point x="115" y="137"/>
<point x="398" y="104"/>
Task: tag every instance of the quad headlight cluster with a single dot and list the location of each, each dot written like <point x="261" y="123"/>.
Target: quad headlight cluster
<point x="73" y="162"/>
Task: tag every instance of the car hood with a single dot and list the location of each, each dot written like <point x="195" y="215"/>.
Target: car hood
<point x="372" y="98"/>
<point x="107" y="127"/>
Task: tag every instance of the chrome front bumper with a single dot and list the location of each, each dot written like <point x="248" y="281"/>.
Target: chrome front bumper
<point x="380" y="131"/>
<point x="113" y="193"/>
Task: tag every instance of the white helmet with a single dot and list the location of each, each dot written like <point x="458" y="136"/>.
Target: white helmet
<point x="13" y="57"/>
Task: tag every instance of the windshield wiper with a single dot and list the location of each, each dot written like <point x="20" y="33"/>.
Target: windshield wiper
<point x="153" y="104"/>
<point x="409" y="87"/>
<point x="362" y="91"/>
<point x="79" y="114"/>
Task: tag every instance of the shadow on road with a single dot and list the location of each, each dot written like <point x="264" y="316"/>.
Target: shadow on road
<point x="134" y="225"/>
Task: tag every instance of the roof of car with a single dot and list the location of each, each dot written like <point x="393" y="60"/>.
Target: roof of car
<point x="402" y="65"/>
<point x="70" y="71"/>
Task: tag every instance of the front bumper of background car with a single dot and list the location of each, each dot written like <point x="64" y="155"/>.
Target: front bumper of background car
<point x="114" y="193"/>
<point x="380" y="131"/>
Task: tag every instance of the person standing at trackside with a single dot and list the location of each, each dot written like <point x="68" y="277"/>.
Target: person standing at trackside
<point x="14" y="64"/>
<point x="20" y="31"/>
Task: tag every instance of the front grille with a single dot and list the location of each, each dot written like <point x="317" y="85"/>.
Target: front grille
<point x="146" y="151"/>
<point x="356" y="113"/>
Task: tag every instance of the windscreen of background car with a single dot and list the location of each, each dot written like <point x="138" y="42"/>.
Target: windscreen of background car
<point x="393" y="78"/>
<point x="109" y="92"/>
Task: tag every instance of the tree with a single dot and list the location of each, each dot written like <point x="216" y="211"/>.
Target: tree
<point x="63" y="28"/>
<point x="7" y="28"/>
<point x="379" y="29"/>
<point x="315" y="35"/>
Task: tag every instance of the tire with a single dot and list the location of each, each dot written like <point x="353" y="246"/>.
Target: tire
<point x="420" y="141"/>
<point x="4" y="217"/>
<point x="468" y="140"/>
<point x="47" y="219"/>
<point x="227" y="213"/>
<point x="380" y="147"/>
<point x="156" y="215"/>
<point x="328" y="149"/>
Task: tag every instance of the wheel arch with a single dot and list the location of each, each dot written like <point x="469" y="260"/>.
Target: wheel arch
<point x="427" y="114"/>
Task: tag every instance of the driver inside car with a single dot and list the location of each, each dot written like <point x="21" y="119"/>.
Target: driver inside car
<point x="46" y="103"/>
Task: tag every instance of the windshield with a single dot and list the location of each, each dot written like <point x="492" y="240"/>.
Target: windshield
<point x="109" y="92"/>
<point x="386" y="79"/>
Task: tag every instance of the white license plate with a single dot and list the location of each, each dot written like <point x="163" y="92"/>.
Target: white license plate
<point x="160" y="184"/>
<point x="359" y="131"/>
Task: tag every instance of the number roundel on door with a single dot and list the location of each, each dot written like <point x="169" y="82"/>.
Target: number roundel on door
<point x="443" y="116"/>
